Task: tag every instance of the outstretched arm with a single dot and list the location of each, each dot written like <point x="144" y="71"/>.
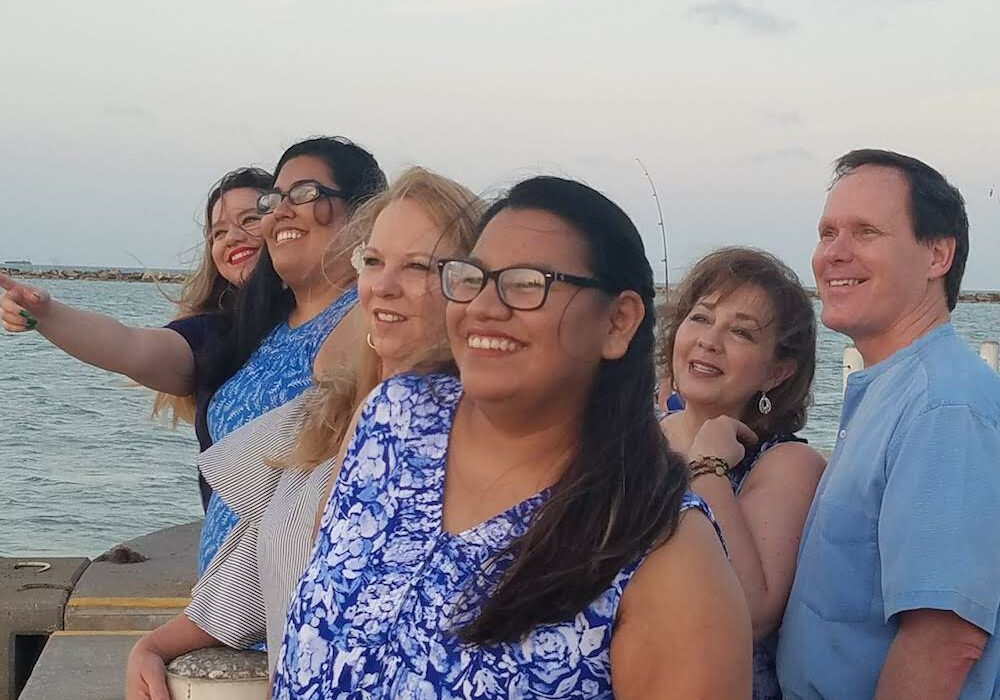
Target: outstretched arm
<point x="158" y="358"/>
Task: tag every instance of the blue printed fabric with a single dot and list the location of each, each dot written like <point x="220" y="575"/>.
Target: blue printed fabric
<point x="280" y="369"/>
<point x="765" y="674"/>
<point x="386" y="585"/>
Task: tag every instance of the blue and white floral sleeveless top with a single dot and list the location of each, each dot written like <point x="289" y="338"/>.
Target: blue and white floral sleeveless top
<point x="279" y="369"/>
<point x="385" y="584"/>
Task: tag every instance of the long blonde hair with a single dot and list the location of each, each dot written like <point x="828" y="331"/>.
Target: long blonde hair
<point x="335" y="397"/>
<point x="206" y="291"/>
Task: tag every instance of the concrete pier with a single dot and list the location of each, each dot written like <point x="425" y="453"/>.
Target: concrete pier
<point x="33" y="595"/>
<point x="79" y="618"/>
<point x="141" y="595"/>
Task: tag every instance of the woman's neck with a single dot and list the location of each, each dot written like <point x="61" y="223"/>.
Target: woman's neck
<point x="540" y="440"/>
<point x="312" y="296"/>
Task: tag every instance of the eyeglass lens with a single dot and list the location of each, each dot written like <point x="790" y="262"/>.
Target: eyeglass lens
<point x="519" y="287"/>
<point x="302" y="193"/>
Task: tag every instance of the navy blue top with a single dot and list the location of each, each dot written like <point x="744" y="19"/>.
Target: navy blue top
<point x="202" y="333"/>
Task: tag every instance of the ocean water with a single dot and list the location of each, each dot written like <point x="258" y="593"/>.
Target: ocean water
<point x="83" y="467"/>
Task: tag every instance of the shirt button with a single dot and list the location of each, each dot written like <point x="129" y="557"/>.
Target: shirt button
<point x="842" y="434"/>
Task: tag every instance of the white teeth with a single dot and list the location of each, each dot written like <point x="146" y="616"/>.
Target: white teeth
<point x="844" y="283"/>
<point x="480" y="342"/>
<point x="237" y="258"/>
<point x="288" y="236"/>
<point x="704" y="369"/>
<point x="389" y="318"/>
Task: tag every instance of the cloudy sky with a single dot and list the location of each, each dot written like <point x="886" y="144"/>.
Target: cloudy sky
<point x="116" y="116"/>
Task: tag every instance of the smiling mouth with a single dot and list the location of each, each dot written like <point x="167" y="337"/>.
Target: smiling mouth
<point x="485" y="342"/>
<point x="388" y="317"/>
<point x="844" y="283"/>
<point x="289" y="235"/>
<point x="704" y="370"/>
<point x="241" y="255"/>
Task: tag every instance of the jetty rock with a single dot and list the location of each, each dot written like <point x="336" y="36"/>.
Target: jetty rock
<point x="99" y="275"/>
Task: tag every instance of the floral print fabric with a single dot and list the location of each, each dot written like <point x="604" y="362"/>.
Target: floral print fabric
<point x="280" y="369"/>
<point x="386" y="584"/>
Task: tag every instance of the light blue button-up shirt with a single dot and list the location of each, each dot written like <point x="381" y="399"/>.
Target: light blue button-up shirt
<point x="906" y="517"/>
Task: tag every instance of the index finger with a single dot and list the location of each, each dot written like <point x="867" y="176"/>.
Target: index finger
<point x="7" y="282"/>
<point x="744" y="434"/>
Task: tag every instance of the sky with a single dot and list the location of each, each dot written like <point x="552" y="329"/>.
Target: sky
<point x="117" y="116"/>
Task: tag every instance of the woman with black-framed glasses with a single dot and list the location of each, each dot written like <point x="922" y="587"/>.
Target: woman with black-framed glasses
<point x="288" y="328"/>
<point x="523" y="531"/>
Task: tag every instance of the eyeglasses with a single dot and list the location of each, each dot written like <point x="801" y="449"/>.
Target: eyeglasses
<point x="300" y="193"/>
<point x="519" y="288"/>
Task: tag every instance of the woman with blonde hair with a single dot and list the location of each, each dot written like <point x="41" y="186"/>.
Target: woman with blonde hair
<point x="523" y="531"/>
<point x="273" y="471"/>
<point x="168" y="360"/>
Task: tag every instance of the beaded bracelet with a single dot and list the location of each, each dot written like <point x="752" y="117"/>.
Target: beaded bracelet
<point x="708" y="465"/>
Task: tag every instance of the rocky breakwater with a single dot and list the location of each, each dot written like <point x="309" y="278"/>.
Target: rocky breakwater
<point x="969" y="297"/>
<point x="105" y="275"/>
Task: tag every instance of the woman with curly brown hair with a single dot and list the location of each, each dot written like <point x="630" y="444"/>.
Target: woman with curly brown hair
<point x="739" y="349"/>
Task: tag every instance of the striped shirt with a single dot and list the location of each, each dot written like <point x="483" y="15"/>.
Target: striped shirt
<point x="243" y="596"/>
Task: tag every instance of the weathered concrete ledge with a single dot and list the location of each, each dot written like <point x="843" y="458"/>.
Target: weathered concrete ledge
<point x="140" y="595"/>
<point x="83" y="617"/>
<point x="33" y="593"/>
<point x="108" y="275"/>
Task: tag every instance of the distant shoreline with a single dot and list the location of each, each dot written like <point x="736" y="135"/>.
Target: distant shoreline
<point x="111" y="274"/>
<point x="114" y="274"/>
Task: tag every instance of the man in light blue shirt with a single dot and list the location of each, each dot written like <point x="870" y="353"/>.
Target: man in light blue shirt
<point x="897" y="590"/>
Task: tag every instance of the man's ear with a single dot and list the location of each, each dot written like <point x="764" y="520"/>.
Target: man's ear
<point x="942" y="256"/>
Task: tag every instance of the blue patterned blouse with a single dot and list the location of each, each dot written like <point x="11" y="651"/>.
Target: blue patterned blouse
<point x="385" y="583"/>
<point x="280" y="369"/>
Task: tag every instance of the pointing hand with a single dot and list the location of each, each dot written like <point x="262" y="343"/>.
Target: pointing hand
<point x="21" y="305"/>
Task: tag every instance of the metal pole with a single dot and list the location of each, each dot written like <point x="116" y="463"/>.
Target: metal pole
<point x="990" y="352"/>
<point x="852" y="362"/>
<point x="663" y="230"/>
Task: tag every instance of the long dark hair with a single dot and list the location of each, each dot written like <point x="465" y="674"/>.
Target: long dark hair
<point x="621" y="492"/>
<point x="206" y="291"/>
<point x="264" y="302"/>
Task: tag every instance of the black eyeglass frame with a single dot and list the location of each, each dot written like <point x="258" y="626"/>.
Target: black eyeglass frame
<point x="550" y="276"/>
<point x="321" y="191"/>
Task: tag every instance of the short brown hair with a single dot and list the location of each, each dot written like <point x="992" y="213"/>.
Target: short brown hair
<point x="726" y="270"/>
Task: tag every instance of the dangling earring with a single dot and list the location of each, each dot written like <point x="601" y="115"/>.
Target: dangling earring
<point x="764" y="405"/>
<point x="368" y="339"/>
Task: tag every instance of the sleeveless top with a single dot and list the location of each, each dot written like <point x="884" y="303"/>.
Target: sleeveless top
<point x="765" y="674"/>
<point x="385" y="584"/>
<point x="279" y="369"/>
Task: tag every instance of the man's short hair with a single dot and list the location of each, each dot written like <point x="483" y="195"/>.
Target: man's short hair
<point x="937" y="209"/>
